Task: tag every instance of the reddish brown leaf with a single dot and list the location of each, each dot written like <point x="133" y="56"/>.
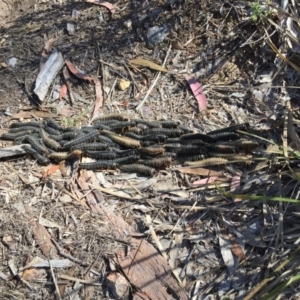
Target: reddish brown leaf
<point x="236" y="249"/>
<point x="50" y="171"/>
<point x="103" y="3"/>
<point x="197" y="90"/>
<point x="77" y="72"/>
<point x="63" y="92"/>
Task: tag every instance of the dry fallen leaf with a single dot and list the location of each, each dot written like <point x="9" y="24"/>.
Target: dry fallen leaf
<point x="197" y="90"/>
<point x="30" y="114"/>
<point x="148" y="63"/>
<point x="63" y="92"/>
<point x="77" y="72"/>
<point x="50" y="171"/>
<point x="199" y="171"/>
<point x="103" y="3"/>
<point x="99" y="96"/>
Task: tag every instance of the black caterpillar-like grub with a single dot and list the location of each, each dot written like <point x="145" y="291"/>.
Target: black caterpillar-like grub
<point x="198" y="136"/>
<point x="85" y="138"/>
<point x="243" y="144"/>
<point x="221" y="148"/>
<point x="173" y="147"/>
<point x="51" y="130"/>
<point x="133" y="135"/>
<point x="40" y="158"/>
<point x="243" y="126"/>
<point x="121" y="126"/>
<point x="159" y="163"/>
<point x="99" y="126"/>
<point x="20" y="140"/>
<point x="148" y="124"/>
<point x="48" y="141"/>
<point x="36" y="145"/>
<point x="152" y="151"/>
<point x="157" y="138"/>
<point x="122" y="140"/>
<point x="185" y="129"/>
<point x="71" y="129"/>
<point x="127" y="160"/>
<point x="192" y="149"/>
<point x="106" y="140"/>
<point x="90" y="146"/>
<point x="53" y="124"/>
<point x="101" y="154"/>
<point x="137" y="168"/>
<point x="136" y="130"/>
<point x="225" y="136"/>
<point x="164" y="131"/>
<point x="183" y="158"/>
<point x="99" y="165"/>
<point x="13" y="136"/>
<point x="125" y="153"/>
<point x="118" y="117"/>
<point x="169" y="124"/>
<point x="20" y="124"/>
<point x="24" y="128"/>
<point x="75" y="154"/>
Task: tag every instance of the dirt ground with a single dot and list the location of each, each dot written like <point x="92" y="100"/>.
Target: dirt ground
<point x="78" y="235"/>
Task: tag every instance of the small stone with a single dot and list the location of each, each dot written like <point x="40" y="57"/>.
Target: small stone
<point x="156" y="34"/>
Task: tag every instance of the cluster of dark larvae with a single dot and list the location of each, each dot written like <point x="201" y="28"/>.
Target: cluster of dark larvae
<point x="137" y="146"/>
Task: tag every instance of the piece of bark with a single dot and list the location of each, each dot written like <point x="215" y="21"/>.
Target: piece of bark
<point x="11" y="151"/>
<point x="143" y="266"/>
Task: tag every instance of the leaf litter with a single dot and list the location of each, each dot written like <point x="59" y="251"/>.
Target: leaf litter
<point x="210" y="244"/>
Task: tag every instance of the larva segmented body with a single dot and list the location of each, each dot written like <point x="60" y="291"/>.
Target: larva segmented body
<point x="121" y="126"/>
<point x="82" y="139"/>
<point x="125" y="153"/>
<point x="99" y="165"/>
<point x="133" y="135"/>
<point x="225" y="136"/>
<point x="162" y="162"/>
<point x="122" y="140"/>
<point x="152" y="151"/>
<point x="169" y="124"/>
<point x="136" y="130"/>
<point x="185" y="129"/>
<point x="36" y="145"/>
<point x="198" y="136"/>
<point x="221" y="148"/>
<point x="24" y="128"/>
<point x="51" y="130"/>
<point x="90" y="146"/>
<point x="148" y="124"/>
<point x="230" y="156"/>
<point x="184" y="158"/>
<point x="207" y="162"/>
<point x="40" y="159"/>
<point x="65" y="155"/>
<point x="127" y="160"/>
<point x="20" y="140"/>
<point x="48" y="141"/>
<point x="243" y="126"/>
<point x="13" y="136"/>
<point x="99" y="126"/>
<point x="101" y="154"/>
<point x="53" y="124"/>
<point x="164" y="131"/>
<point x="118" y="117"/>
<point x="19" y="124"/>
<point x="158" y="138"/>
<point x="137" y="168"/>
<point x="191" y="149"/>
<point x="108" y="141"/>
<point x="242" y="144"/>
